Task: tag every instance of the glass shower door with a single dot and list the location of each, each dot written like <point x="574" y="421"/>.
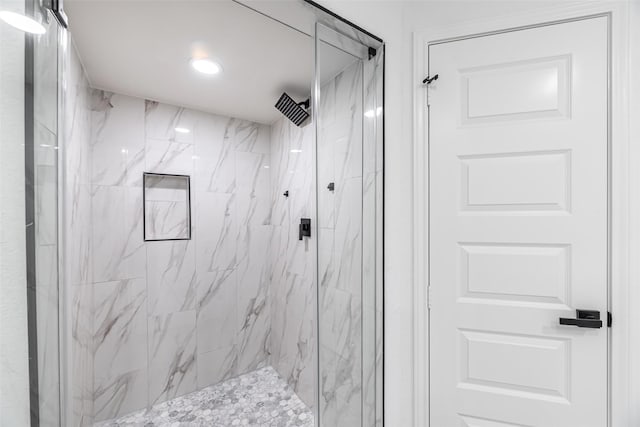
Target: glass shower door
<point x="29" y="294"/>
<point x="43" y="263"/>
<point x="349" y="204"/>
<point x="14" y="348"/>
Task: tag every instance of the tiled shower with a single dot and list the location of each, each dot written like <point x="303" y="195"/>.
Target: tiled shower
<point x="169" y="317"/>
<point x="155" y="320"/>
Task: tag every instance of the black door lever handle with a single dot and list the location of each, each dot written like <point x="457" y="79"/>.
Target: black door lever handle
<point x="584" y="319"/>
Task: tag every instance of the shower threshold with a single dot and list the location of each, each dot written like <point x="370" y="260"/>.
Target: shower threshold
<point x="259" y="398"/>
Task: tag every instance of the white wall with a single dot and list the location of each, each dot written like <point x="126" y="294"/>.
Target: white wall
<point x="14" y="370"/>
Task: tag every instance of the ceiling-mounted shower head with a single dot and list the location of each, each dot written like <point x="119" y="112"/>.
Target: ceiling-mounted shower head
<point x="293" y="110"/>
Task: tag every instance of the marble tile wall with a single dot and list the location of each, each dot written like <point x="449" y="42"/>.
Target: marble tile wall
<point x="76" y="229"/>
<point x="292" y="261"/>
<point x="154" y="320"/>
<point x="340" y="248"/>
<point x="170" y="317"/>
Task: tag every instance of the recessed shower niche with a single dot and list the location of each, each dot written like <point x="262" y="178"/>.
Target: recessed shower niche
<point x="190" y="294"/>
<point x="166" y="206"/>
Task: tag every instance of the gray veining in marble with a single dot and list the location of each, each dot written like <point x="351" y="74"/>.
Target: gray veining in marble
<point x="259" y="399"/>
<point x="172" y="355"/>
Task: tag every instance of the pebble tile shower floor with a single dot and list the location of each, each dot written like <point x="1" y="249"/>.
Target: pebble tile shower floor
<point x="259" y="398"/>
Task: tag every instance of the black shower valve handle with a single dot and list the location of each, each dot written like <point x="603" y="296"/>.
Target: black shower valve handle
<point x="304" y="229"/>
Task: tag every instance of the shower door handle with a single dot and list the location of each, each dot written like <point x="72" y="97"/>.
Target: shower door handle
<point x="304" y="228"/>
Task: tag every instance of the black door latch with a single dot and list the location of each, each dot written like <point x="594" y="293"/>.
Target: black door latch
<point x="305" y="228"/>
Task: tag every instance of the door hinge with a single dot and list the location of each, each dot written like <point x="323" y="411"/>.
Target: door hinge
<point x="429" y="297"/>
<point x="609" y="319"/>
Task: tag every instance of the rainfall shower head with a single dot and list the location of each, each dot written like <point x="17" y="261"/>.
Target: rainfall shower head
<point x="293" y="110"/>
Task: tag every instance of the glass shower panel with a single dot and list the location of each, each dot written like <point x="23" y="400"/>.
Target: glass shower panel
<point x="45" y="211"/>
<point x="29" y="296"/>
<point x="14" y="348"/>
<point x="348" y="156"/>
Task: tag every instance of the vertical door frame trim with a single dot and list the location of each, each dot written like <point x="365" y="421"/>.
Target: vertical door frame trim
<point x="624" y="201"/>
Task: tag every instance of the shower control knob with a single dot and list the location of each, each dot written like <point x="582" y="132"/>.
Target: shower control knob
<point x="305" y="228"/>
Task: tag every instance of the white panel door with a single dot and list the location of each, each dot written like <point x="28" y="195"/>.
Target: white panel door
<point x="518" y="227"/>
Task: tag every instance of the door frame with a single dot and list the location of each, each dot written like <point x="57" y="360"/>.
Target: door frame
<point x="624" y="199"/>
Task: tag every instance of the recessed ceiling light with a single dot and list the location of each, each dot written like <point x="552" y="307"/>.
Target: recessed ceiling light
<point x="206" y="66"/>
<point x="296" y="151"/>
<point x="182" y="130"/>
<point x="22" y="22"/>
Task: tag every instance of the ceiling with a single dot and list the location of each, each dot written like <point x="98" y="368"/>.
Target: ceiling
<point x="144" y="48"/>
